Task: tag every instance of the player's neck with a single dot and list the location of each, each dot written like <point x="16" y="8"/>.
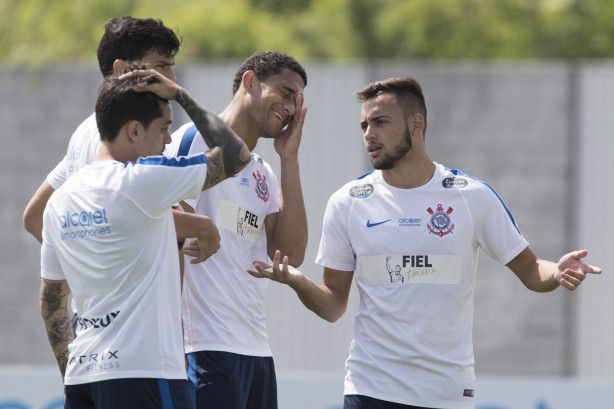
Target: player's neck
<point x="234" y="116"/>
<point x="410" y="173"/>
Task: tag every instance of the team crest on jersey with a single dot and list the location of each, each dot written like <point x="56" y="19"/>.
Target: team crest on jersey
<point x="441" y="223"/>
<point x="262" y="189"/>
<point x="361" y="191"/>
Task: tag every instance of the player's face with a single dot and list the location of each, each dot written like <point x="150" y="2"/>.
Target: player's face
<point x="274" y="103"/>
<point x="385" y="131"/>
<point x="157" y="134"/>
<point x="159" y="62"/>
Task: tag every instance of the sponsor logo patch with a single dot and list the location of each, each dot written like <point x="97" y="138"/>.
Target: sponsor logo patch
<point x="361" y="191"/>
<point x="454" y="182"/>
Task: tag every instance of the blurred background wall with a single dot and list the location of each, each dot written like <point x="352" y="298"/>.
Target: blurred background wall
<point x="539" y="132"/>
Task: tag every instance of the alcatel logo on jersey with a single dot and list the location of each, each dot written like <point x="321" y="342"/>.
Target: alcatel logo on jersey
<point x="85" y="323"/>
<point x="410" y="221"/>
<point x="84" y="224"/>
<point x="83" y="219"/>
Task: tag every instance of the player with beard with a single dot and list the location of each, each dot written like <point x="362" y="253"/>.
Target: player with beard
<point x="412" y="345"/>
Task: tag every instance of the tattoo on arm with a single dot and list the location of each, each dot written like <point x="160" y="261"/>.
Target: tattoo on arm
<point x="223" y="162"/>
<point x="54" y="310"/>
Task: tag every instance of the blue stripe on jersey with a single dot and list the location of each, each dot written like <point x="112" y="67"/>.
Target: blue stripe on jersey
<point x="365" y="175"/>
<point x="186" y="140"/>
<point x="165" y="394"/>
<point x="461" y="173"/>
<point x="179" y="162"/>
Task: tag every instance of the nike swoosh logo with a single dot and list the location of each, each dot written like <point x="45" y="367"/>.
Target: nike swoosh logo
<point x="369" y="224"/>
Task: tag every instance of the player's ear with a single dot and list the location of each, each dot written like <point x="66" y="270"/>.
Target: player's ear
<point x="134" y="130"/>
<point x="119" y="67"/>
<point x="249" y="81"/>
<point x="415" y="122"/>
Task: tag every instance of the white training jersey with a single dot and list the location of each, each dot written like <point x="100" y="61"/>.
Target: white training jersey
<point x="414" y="254"/>
<point x="81" y="151"/>
<point x="109" y="232"/>
<point x="223" y="306"/>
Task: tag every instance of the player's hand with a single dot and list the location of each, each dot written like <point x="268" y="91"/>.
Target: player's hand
<point x="279" y="271"/>
<point x="288" y="141"/>
<point x="204" y="245"/>
<point x="572" y="270"/>
<point x="152" y="81"/>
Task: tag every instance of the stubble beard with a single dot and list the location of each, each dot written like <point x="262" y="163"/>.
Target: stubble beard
<point x="388" y="161"/>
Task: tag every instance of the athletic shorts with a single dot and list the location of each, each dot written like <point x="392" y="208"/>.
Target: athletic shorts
<point x="367" y="402"/>
<point x="130" y="393"/>
<point x="223" y="380"/>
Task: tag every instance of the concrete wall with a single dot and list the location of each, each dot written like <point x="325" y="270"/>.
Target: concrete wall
<point x="537" y="132"/>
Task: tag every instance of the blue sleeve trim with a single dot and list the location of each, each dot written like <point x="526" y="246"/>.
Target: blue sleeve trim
<point x="179" y="162"/>
<point x="186" y="141"/>
<point x="461" y="173"/>
<point x="365" y="175"/>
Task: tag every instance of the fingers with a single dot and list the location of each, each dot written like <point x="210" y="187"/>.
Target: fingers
<point x="579" y="254"/>
<point x="592" y="269"/>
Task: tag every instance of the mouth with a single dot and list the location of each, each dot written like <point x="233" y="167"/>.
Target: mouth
<point x="373" y="150"/>
<point x="278" y="115"/>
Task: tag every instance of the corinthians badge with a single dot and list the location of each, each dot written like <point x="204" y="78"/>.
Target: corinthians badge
<point x="262" y="189"/>
<point x="441" y="223"/>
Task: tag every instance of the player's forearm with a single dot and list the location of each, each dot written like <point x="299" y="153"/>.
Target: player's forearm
<point x="33" y="213"/>
<point x="216" y="133"/>
<point x="291" y="227"/>
<point x="54" y="310"/>
<point x="318" y="298"/>
<point x="540" y="276"/>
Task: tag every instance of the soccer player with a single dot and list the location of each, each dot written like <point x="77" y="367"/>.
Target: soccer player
<point x="226" y="342"/>
<point x="127" y="41"/>
<point x="108" y="237"/>
<point x="412" y="345"/>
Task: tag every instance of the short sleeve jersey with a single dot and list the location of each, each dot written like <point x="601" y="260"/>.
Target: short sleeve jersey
<point x="81" y="151"/>
<point x="414" y="255"/>
<point x="223" y="306"/>
<point x="109" y="232"/>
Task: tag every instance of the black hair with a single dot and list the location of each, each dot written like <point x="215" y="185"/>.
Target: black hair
<point x="128" y="38"/>
<point x="407" y="91"/>
<point x="118" y="104"/>
<point x="266" y="64"/>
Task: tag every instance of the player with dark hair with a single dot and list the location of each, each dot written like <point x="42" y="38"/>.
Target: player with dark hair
<point x="108" y="238"/>
<point x="412" y="345"/>
<point x="226" y="341"/>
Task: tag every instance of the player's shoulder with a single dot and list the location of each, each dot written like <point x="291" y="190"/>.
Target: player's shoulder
<point x="183" y="139"/>
<point x="456" y="179"/>
<point x="360" y="187"/>
<point x="87" y="129"/>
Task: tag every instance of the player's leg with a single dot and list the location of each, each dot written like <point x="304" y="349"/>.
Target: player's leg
<point x="152" y="393"/>
<point x="222" y="380"/>
<point x="263" y="394"/>
<point x="78" y="397"/>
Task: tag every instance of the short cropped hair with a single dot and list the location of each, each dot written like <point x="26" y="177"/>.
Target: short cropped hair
<point x="129" y="38"/>
<point x="407" y="91"/>
<point x="118" y="104"/>
<point x="266" y="64"/>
